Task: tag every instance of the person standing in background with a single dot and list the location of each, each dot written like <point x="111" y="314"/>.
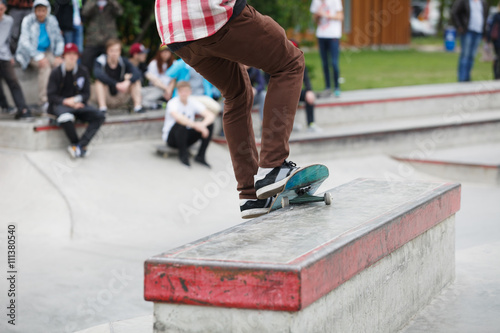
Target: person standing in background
<point x="494" y="37"/>
<point x="7" y="67"/>
<point x="329" y="14"/>
<point x="18" y="10"/>
<point x="469" y="17"/>
<point x="100" y="16"/>
<point x="68" y="14"/>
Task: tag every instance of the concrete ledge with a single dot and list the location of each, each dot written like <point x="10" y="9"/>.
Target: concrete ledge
<point x="290" y="260"/>
<point x="382" y="299"/>
<point x="40" y="134"/>
<point x="396" y="136"/>
<point x="473" y="163"/>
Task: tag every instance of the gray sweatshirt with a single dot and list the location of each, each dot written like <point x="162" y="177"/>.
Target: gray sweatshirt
<point x="5" y="32"/>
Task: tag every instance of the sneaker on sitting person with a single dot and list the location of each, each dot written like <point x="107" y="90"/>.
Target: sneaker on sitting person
<point x="254" y="208"/>
<point x="84" y="152"/>
<point x="201" y="160"/>
<point x="22" y="114"/>
<point x="74" y="151"/>
<point x="270" y="181"/>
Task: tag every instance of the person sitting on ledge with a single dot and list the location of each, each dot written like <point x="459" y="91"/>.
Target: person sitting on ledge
<point x="117" y="80"/>
<point x="181" y="130"/>
<point x="68" y="92"/>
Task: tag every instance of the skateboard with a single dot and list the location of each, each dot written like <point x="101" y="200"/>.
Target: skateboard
<point x="300" y="188"/>
<point x="166" y="151"/>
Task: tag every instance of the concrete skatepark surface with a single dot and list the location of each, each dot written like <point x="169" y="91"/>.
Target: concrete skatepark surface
<point x="85" y="228"/>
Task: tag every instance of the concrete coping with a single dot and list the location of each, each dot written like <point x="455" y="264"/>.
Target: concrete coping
<point x="413" y="93"/>
<point x="287" y="260"/>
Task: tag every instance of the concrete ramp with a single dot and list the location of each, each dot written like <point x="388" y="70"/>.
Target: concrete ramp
<point x="369" y="262"/>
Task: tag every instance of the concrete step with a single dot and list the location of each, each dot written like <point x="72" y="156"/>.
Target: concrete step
<point x="40" y="133"/>
<point x="403" y="135"/>
<point x="475" y="163"/>
<point x="387" y="104"/>
<point x="381" y="246"/>
<point x="391" y="137"/>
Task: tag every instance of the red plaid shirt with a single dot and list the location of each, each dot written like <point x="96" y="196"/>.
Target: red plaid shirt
<point x="188" y="20"/>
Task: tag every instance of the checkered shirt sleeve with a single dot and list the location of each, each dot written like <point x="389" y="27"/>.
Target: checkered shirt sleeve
<point x="188" y="20"/>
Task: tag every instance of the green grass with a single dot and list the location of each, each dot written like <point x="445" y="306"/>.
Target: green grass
<point x="368" y="69"/>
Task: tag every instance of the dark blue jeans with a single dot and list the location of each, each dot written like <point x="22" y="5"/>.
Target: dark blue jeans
<point x="329" y="49"/>
<point x="469" y="43"/>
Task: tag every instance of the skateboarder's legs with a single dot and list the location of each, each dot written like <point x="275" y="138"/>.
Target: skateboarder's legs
<point x="254" y="40"/>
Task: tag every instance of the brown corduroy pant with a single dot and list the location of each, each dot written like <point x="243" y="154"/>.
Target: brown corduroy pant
<point x="258" y="41"/>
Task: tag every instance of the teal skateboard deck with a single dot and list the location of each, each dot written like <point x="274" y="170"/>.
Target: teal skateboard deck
<point x="300" y="188"/>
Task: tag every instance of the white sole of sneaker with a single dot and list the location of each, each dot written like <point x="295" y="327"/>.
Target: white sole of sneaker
<point x="270" y="190"/>
<point x="253" y="213"/>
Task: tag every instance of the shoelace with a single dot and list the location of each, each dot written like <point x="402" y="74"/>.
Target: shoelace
<point x="289" y="164"/>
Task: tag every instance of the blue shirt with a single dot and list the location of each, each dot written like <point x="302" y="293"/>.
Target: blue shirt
<point x="180" y="71"/>
<point x="43" y="39"/>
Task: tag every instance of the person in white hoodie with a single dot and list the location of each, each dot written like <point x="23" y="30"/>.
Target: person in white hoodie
<point x="41" y="45"/>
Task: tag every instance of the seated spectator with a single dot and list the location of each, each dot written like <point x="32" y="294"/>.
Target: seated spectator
<point x="7" y="67"/>
<point x="138" y="56"/>
<point x="181" y="130"/>
<point x="68" y="92"/>
<point x="158" y="80"/>
<point x="70" y="21"/>
<point x="100" y="18"/>
<point x="117" y="80"/>
<point x="18" y="10"/>
<point x="258" y="87"/>
<point x="202" y="90"/>
<point x="41" y="45"/>
<point x="307" y="95"/>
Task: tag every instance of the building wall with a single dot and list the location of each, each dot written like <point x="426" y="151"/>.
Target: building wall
<point x="377" y="22"/>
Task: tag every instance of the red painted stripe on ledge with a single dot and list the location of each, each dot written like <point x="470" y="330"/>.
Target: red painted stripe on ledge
<point x="56" y="128"/>
<point x="410" y="160"/>
<point x="223" y="287"/>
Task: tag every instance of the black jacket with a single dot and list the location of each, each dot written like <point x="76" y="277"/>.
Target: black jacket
<point x="59" y="86"/>
<point x="460" y="13"/>
<point x="495" y="21"/>
<point x="63" y="10"/>
<point x="124" y="67"/>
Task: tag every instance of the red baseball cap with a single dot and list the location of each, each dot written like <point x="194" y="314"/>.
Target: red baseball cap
<point x="138" y="48"/>
<point x="71" y="48"/>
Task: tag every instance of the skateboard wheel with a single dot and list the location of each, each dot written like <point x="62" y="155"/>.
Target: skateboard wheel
<point x="285" y="202"/>
<point x="328" y="198"/>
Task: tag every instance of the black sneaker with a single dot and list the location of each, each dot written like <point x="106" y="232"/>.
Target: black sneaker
<point x="269" y="182"/>
<point x="84" y="152"/>
<point x="255" y="208"/>
<point x="24" y="113"/>
<point x="202" y="161"/>
<point x="184" y="158"/>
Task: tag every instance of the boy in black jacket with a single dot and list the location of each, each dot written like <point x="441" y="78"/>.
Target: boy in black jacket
<point x="68" y="92"/>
